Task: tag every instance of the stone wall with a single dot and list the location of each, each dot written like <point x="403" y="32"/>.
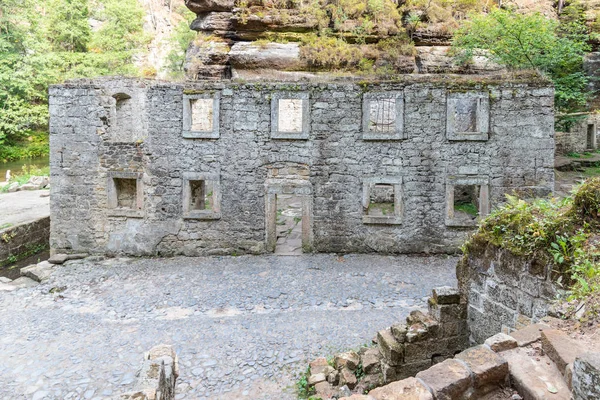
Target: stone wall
<point x="583" y="136"/>
<point x="23" y="240"/>
<point x="504" y="291"/>
<point x="334" y="158"/>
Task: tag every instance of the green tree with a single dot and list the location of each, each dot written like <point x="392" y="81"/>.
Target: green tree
<point x="68" y="28"/>
<point x="532" y="41"/>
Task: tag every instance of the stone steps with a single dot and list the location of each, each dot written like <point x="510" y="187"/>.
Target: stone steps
<point x="534" y="375"/>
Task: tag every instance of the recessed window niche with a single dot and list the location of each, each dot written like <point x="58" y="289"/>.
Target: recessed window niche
<point x="290" y="115"/>
<point x="201" y="115"/>
<point x="382" y="200"/>
<point x="125" y="194"/>
<point x="383" y="116"/>
<point x="467" y="199"/>
<point x="201" y="196"/>
<point x="468" y="116"/>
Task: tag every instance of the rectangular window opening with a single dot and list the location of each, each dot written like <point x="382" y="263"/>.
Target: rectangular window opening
<point x="202" y="115"/>
<point x="382" y="115"/>
<point x="466" y="202"/>
<point x="381" y="201"/>
<point x="126" y="190"/>
<point x="290" y="115"/>
<point x="202" y="195"/>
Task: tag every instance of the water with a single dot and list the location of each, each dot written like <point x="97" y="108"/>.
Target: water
<point x="16" y="167"/>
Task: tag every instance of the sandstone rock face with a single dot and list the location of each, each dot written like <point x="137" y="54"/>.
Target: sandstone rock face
<point x="207" y="60"/>
<point x="437" y="59"/>
<point x="281" y="56"/>
<point x="217" y="22"/>
<point x="202" y="6"/>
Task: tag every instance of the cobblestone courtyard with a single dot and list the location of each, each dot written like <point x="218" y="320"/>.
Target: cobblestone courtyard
<point x="243" y="327"/>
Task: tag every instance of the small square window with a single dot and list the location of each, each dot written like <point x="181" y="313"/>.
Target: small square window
<point x="289" y="115"/>
<point x="468" y="116"/>
<point x="467" y="200"/>
<point x="201" y="116"/>
<point x="382" y="201"/>
<point x="125" y="194"/>
<point x="201" y="196"/>
<point x="383" y="115"/>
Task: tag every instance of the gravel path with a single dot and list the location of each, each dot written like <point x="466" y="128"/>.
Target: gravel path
<point x="243" y="327"/>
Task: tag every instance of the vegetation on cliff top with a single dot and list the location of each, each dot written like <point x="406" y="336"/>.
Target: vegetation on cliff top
<point x="564" y="233"/>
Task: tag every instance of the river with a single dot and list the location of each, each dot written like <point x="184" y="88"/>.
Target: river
<point x="16" y="167"/>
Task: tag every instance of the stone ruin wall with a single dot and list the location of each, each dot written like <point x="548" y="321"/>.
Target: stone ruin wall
<point x="504" y="292"/>
<point x="330" y="161"/>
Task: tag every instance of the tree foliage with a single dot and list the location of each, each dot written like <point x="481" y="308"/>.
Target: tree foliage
<point x="42" y="43"/>
<point x="521" y="41"/>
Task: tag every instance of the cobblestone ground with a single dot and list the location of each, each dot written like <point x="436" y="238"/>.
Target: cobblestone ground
<point x="243" y="327"/>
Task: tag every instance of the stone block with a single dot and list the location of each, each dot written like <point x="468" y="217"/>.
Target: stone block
<point x="358" y="397"/>
<point x="348" y="360"/>
<point x="501" y="342"/>
<point x="318" y="365"/>
<point x="586" y="377"/>
<point x="410" y="369"/>
<point x="390" y="348"/>
<point x="4" y="279"/>
<point x="529" y="334"/>
<point x="324" y="390"/>
<point x="489" y="369"/>
<point x="388" y="372"/>
<point x="448" y="312"/>
<point x="406" y="389"/>
<point x="448" y="380"/>
<point x="371" y="361"/>
<point x="399" y="332"/>
<point x="348" y="378"/>
<point x="316" y="378"/>
<point x="535" y="377"/>
<point x="38" y="272"/>
<point x="446" y="295"/>
<point x="561" y="349"/>
<point x="58" y="258"/>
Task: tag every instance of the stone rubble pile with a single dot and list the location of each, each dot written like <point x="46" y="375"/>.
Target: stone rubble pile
<point x="157" y="376"/>
<point x="34" y="183"/>
<point x="402" y="350"/>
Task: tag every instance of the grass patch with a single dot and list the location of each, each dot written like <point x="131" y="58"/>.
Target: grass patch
<point x="303" y="389"/>
<point x="468" y="208"/>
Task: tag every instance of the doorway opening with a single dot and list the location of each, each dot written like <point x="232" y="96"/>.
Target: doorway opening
<point x="289" y="224"/>
<point x="288" y="216"/>
<point x="591" y="137"/>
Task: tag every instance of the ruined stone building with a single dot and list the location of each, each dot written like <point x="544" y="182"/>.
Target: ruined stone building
<point x="146" y="167"/>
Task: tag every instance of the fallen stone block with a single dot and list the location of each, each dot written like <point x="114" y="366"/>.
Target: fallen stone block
<point x="318" y="365"/>
<point x="501" y="342"/>
<point x="157" y="376"/>
<point x="324" y="390"/>
<point x="529" y="334"/>
<point x="58" y="258"/>
<point x="23" y="282"/>
<point x="348" y="378"/>
<point x="38" y="272"/>
<point x="490" y="370"/>
<point x="390" y="348"/>
<point x="399" y="331"/>
<point x="371" y="361"/>
<point x="586" y="377"/>
<point x="7" y="287"/>
<point x="358" y="397"/>
<point x="446" y="295"/>
<point x="316" y="378"/>
<point x="407" y="389"/>
<point x="349" y="360"/>
<point x="448" y="380"/>
<point x="560" y="348"/>
<point x="4" y="279"/>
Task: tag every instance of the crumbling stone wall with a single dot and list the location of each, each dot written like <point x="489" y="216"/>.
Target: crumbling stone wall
<point x="23" y="240"/>
<point x="504" y="291"/>
<point x="511" y="148"/>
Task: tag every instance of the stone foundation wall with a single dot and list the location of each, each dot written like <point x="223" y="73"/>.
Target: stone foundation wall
<point x="23" y="240"/>
<point x="504" y="291"/>
<point x="333" y="159"/>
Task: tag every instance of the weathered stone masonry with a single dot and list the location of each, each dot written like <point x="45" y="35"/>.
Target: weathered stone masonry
<point x="125" y="153"/>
